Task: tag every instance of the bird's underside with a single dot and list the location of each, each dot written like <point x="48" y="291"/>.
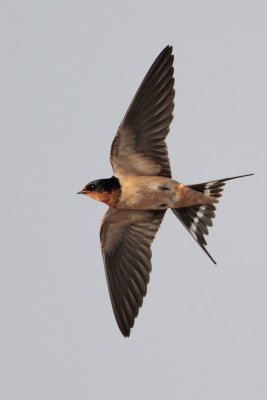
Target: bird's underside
<point x="157" y="193"/>
<point x="141" y="191"/>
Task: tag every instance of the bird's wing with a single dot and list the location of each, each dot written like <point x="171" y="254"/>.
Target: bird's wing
<point x="126" y="237"/>
<point x="139" y="147"/>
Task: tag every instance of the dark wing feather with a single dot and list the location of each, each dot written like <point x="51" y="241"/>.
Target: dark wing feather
<point x="126" y="237"/>
<point x="139" y="147"/>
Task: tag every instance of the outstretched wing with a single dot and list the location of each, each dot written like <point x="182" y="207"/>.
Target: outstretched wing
<point x="126" y="237"/>
<point x="139" y="147"/>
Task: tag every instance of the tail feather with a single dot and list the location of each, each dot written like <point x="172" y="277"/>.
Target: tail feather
<point x="198" y="218"/>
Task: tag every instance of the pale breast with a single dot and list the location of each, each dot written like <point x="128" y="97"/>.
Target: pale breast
<point x="147" y="193"/>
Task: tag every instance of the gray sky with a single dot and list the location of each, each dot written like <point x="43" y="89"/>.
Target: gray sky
<point x="68" y="71"/>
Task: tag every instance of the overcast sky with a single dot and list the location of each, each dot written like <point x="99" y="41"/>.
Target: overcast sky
<point x="68" y="71"/>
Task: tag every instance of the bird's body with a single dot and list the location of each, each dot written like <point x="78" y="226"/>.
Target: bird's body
<point x="149" y="193"/>
<point x="141" y="191"/>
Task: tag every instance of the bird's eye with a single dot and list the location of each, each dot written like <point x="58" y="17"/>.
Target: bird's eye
<point x="91" y="187"/>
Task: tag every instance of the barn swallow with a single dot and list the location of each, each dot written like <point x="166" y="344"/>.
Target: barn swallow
<point x="142" y="189"/>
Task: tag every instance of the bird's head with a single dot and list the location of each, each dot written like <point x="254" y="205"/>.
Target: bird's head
<point x="94" y="186"/>
<point x="104" y="190"/>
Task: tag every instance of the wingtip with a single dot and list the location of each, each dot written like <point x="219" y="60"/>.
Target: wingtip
<point x="125" y="333"/>
<point x="167" y="49"/>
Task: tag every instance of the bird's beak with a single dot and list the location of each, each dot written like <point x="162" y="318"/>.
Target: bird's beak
<point x="81" y="192"/>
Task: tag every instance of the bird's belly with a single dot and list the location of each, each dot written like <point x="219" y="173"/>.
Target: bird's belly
<point x="148" y="193"/>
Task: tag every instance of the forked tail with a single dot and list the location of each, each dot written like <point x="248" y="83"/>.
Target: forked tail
<point x="198" y="218"/>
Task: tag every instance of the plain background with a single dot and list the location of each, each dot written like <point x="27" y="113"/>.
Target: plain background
<point x="68" y="72"/>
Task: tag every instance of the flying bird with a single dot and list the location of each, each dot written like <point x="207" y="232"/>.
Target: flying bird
<point x="142" y="189"/>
